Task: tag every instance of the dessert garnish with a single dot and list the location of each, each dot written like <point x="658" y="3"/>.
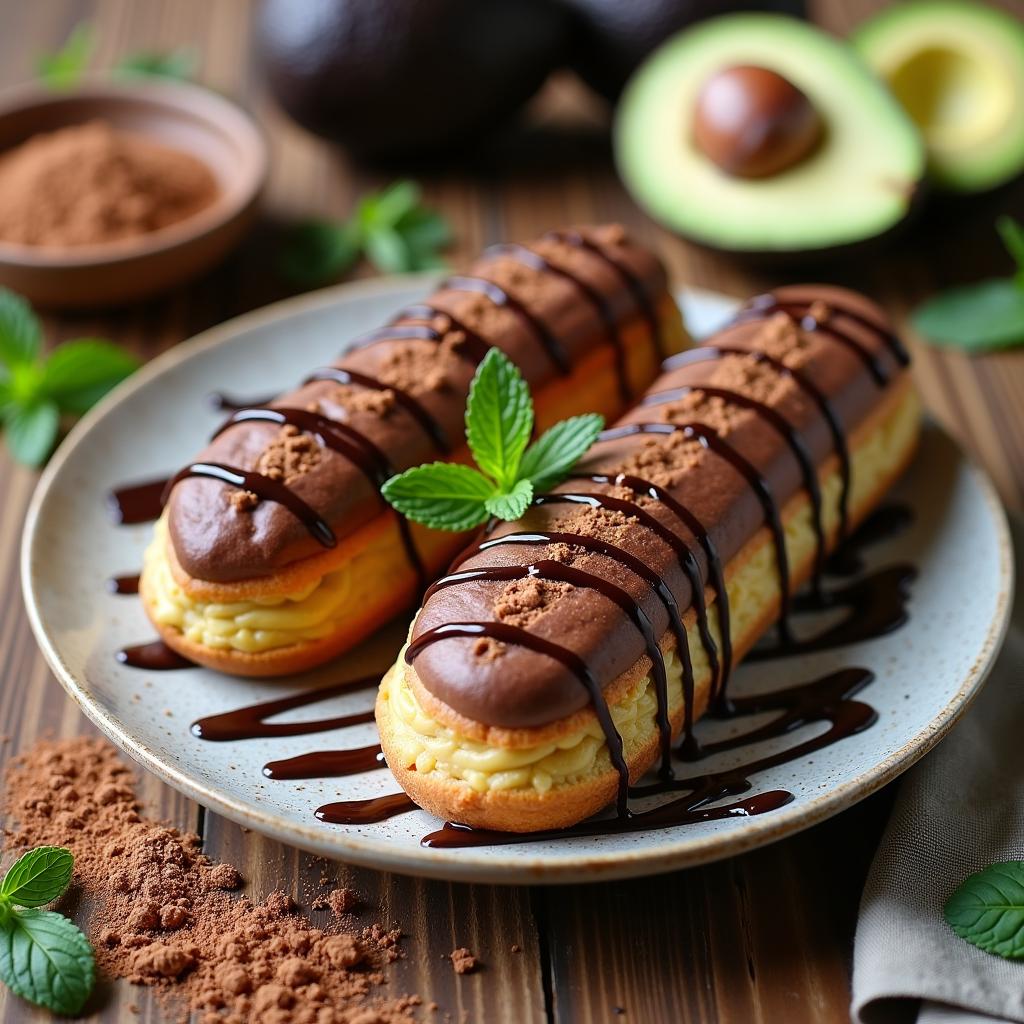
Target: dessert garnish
<point x="391" y="228"/>
<point x="37" y="389"/>
<point x="983" y="316"/>
<point x="44" y="958"/>
<point x="499" y="423"/>
<point x="987" y="909"/>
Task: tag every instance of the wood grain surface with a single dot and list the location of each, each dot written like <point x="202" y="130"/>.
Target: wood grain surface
<point x="766" y="937"/>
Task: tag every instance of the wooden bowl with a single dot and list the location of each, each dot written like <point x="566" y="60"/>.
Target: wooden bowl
<point x="186" y="117"/>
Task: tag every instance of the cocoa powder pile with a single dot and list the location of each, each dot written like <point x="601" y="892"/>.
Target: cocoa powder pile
<point x="91" y="183"/>
<point x="162" y="914"/>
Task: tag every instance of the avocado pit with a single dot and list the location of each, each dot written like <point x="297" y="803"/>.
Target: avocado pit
<point x="753" y="123"/>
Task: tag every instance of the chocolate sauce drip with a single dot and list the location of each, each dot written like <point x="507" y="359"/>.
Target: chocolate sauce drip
<point x="687" y="562"/>
<point x="431" y="427"/>
<point x="251" y="723"/>
<point x="876" y="604"/>
<point x="763" y="306"/>
<point x="823" y="700"/>
<point x="883" y="523"/>
<point x="473" y="347"/>
<point x="720" y="671"/>
<point x="365" y="812"/>
<point x="396" y="332"/>
<point x="123" y="584"/>
<point x="711" y="440"/>
<point x="137" y="503"/>
<point x="155" y="656"/>
<point x="788" y="433"/>
<point x="552" y="346"/>
<point x="327" y="764"/>
<point x="529" y="258"/>
<point x="677" y="812"/>
<point x="629" y="278"/>
<point x="353" y="445"/>
<point x="828" y="412"/>
<point x="505" y="633"/>
<point x="548" y="569"/>
<point x="221" y="401"/>
<point x="266" y="489"/>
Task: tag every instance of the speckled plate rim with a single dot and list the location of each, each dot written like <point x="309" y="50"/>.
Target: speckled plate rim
<point x="491" y="866"/>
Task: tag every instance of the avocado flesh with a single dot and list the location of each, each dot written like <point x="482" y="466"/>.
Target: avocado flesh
<point x="858" y="183"/>
<point x="958" y="69"/>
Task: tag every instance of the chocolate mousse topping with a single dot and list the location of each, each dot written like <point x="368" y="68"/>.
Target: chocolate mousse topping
<point x="722" y="440"/>
<point x="397" y="400"/>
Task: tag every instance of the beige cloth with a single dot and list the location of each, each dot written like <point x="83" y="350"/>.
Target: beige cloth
<point x="957" y="811"/>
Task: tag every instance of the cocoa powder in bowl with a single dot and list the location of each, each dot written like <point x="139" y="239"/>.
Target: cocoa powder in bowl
<point x="91" y="184"/>
<point x="161" y="914"/>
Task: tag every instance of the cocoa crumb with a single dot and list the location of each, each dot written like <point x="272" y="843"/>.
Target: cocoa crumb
<point x="338" y="901"/>
<point x="463" y="961"/>
<point x="522" y="602"/>
<point x="166" y="918"/>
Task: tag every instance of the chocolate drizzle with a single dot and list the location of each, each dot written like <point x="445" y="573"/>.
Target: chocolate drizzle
<point x="137" y="503"/>
<point x="155" y="656"/>
<point x="327" y="764"/>
<point x="123" y="584"/>
<point x="472" y="346"/>
<point x="365" y="812"/>
<point x="527" y="257"/>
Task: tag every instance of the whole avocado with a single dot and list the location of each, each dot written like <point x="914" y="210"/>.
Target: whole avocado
<point x="394" y="78"/>
<point x="613" y="37"/>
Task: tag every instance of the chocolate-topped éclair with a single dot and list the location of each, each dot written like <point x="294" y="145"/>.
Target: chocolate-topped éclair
<point x="276" y="550"/>
<point x="737" y="471"/>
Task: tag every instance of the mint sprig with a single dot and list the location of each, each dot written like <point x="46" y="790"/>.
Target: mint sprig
<point x="391" y="228"/>
<point x="65" y="68"/>
<point x="44" y="958"/>
<point x="983" y="316"/>
<point x="35" y="389"/>
<point x="987" y="909"/>
<point x="499" y="420"/>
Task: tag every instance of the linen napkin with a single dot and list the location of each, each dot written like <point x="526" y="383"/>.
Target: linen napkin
<point x="956" y="812"/>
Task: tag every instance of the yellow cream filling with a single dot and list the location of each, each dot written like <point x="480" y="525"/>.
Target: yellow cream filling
<point x="435" y="749"/>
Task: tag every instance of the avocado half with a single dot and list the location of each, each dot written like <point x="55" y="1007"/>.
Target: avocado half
<point x="859" y="182"/>
<point x="958" y="70"/>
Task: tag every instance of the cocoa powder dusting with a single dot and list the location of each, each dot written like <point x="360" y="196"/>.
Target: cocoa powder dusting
<point x="165" y="916"/>
<point x="91" y="183"/>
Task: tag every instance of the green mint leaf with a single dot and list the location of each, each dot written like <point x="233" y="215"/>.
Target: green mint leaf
<point x="318" y="251"/>
<point x="441" y="495"/>
<point x="31" y="432"/>
<point x="79" y="373"/>
<point x="179" y="64"/>
<point x="988" y="909"/>
<point x="63" y="69"/>
<point x="20" y="333"/>
<point x="974" y="317"/>
<point x="1012" y="235"/>
<point x="38" y="877"/>
<point x="386" y="208"/>
<point x="425" y="231"/>
<point x="45" y="959"/>
<point x="499" y="418"/>
<point x="386" y="250"/>
<point x="513" y="504"/>
<point x="548" y="460"/>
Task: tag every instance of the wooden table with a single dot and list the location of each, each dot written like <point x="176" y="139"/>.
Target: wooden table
<point x="764" y="937"/>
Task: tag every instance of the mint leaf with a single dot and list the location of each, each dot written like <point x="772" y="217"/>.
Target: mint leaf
<point x="179" y="64"/>
<point x="38" y="877"/>
<point x="45" y="959"/>
<point x="388" y="207"/>
<point x="387" y="251"/>
<point x="513" y="504"/>
<point x="974" y="317"/>
<point x="31" y="432"/>
<point x="988" y="909"/>
<point x="499" y="418"/>
<point x="441" y="495"/>
<point x="20" y="334"/>
<point x="65" y="68"/>
<point x="1012" y="235"/>
<point x="548" y="460"/>
<point x="79" y="373"/>
<point x="319" y="251"/>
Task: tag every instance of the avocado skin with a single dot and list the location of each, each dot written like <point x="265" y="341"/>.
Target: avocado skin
<point x="397" y="78"/>
<point x="615" y="36"/>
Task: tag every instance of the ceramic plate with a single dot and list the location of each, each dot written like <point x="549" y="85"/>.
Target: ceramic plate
<point x="927" y="672"/>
